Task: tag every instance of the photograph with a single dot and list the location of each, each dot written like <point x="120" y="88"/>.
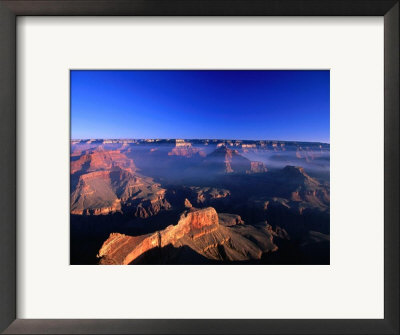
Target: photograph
<point x="199" y="167"/>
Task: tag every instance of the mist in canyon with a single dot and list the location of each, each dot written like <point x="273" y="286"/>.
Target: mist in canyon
<point x="199" y="201"/>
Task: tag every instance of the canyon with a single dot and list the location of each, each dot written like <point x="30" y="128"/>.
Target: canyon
<point x="199" y="201"/>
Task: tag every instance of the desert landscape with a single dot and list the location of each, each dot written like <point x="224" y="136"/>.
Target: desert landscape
<point x="199" y="201"/>
<point x="200" y="167"/>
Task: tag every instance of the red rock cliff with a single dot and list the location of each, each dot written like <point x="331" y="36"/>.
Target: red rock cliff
<point x="123" y="249"/>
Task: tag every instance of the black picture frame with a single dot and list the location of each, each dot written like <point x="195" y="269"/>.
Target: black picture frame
<point x="10" y="10"/>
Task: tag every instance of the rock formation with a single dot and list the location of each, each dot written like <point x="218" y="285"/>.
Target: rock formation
<point x="198" y="230"/>
<point x="104" y="182"/>
<point x="186" y="151"/>
<point x="208" y="195"/>
<point x="228" y="220"/>
<point x="117" y="190"/>
<point x="258" y="167"/>
<point x="292" y="182"/>
<point x="102" y="160"/>
<point x="226" y="160"/>
<point x="188" y="204"/>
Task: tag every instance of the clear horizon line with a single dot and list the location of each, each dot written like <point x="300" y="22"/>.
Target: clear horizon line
<point x="188" y="139"/>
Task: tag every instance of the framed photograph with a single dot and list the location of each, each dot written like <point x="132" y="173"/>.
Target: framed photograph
<point x="202" y="167"/>
<point x="185" y="190"/>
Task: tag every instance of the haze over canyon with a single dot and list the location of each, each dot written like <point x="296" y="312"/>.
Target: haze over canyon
<point x="199" y="201"/>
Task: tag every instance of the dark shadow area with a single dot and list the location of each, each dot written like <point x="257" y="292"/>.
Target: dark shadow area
<point x="289" y="253"/>
<point x="172" y="256"/>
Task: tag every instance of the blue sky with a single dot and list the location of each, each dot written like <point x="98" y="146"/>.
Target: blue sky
<point x="276" y="105"/>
